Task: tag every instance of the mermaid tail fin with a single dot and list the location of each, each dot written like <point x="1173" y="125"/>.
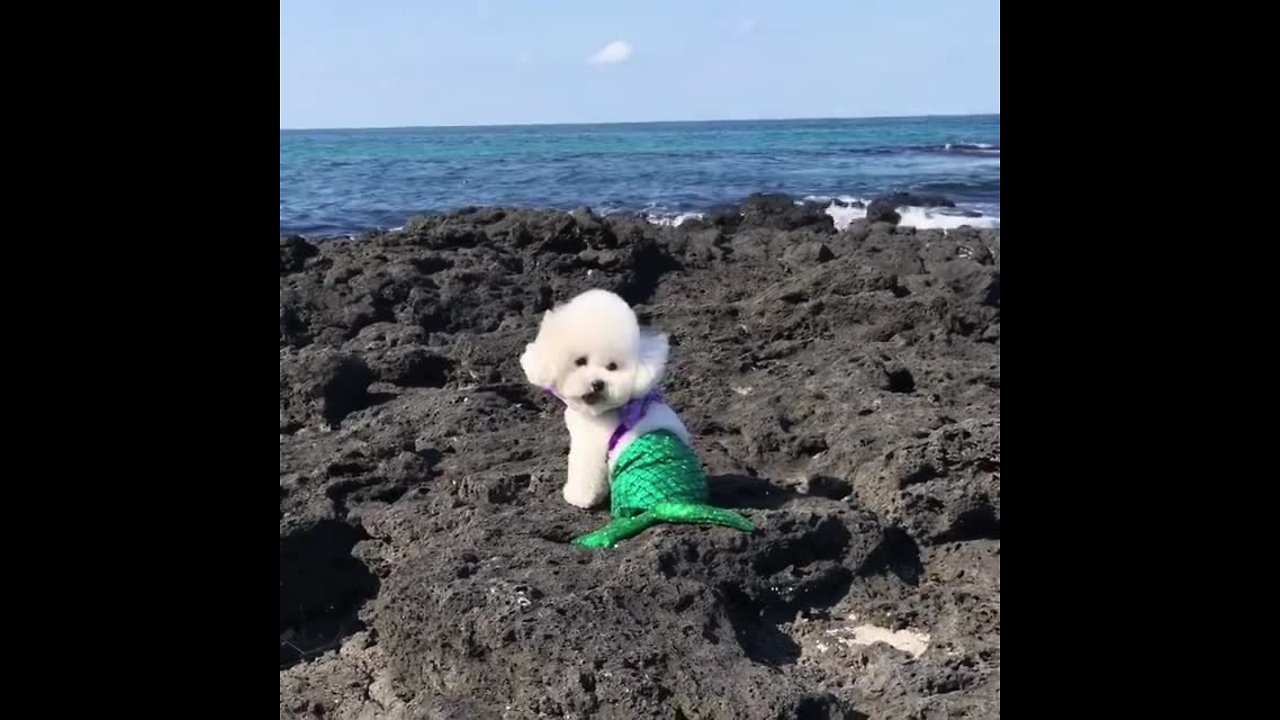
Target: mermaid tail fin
<point x="620" y="529"/>
<point x="617" y="530"/>
<point x="699" y="514"/>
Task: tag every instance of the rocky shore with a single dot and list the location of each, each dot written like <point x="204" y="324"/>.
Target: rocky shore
<point x="843" y="389"/>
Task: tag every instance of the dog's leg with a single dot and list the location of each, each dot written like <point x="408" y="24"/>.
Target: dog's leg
<point x="588" y="482"/>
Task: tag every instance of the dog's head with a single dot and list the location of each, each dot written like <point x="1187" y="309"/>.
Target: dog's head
<point x="590" y="352"/>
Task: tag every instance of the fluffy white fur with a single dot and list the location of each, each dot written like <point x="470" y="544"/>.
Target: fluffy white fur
<point x="591" y="353"/>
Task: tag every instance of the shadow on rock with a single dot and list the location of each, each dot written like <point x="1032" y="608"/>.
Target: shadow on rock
<point x="321" y="589"/>
<point x="743" y="491"/>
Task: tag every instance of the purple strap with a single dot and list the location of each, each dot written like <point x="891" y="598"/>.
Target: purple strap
<point x="629" y="414"/>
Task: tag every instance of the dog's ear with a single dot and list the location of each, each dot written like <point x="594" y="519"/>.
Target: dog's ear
<point x="651" y="363"/>
<point x="536" y="368"/>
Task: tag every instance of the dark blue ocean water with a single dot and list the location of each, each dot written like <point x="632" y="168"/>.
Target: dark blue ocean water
<point x="347" y="181"/>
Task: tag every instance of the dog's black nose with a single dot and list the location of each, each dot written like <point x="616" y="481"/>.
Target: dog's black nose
<point x="597" y="386"/>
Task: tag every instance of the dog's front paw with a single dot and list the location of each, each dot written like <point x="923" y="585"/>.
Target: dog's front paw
<point x="583" y="496"/>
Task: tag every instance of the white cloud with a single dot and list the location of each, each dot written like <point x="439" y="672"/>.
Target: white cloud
<point x="613" y="53"/>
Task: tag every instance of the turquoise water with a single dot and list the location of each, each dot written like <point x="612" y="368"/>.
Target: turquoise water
<point x="346" y="181"/>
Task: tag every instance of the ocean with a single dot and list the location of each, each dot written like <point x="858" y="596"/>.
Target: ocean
<point x="337" y="182"/>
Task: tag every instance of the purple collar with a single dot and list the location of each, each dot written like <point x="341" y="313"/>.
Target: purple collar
<point x="629" y="415"/>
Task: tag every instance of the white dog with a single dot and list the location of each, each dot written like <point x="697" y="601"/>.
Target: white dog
<point x="591" y="354"/>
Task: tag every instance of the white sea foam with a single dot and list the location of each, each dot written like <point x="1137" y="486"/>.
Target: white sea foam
<point x="844" y="215"/>
<point x="837" y="199"/>
<point x="844" y="210"/>
<point x="672" y="220"/>
<point x="931" y="218"/>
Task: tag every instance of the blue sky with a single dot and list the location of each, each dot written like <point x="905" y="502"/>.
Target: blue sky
<point x="383" y="63"/>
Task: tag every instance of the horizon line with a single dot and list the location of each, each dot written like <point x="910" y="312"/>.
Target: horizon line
<point x="640" y="122"/>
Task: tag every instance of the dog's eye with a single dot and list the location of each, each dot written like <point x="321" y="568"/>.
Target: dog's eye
<point x="611" y="367"/>
<point x="580" y="361"/>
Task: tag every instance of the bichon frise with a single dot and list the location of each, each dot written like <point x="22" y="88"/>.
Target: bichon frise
<point x="591" y="354"/>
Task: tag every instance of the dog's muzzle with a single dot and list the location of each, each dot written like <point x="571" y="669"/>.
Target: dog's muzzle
<point x="597" y="392"/>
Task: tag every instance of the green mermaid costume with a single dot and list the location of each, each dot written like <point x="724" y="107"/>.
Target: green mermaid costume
<point x="657" y="479"/>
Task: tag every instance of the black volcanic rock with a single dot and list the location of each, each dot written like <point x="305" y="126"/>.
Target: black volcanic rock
<point x="842" y="390"/>
<point x="882" y="211"/>
<point x="904" y="199"/>
<point x="780" y="212"/>
<point x="884" y="208"/>
<point x="294" y="251"/>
